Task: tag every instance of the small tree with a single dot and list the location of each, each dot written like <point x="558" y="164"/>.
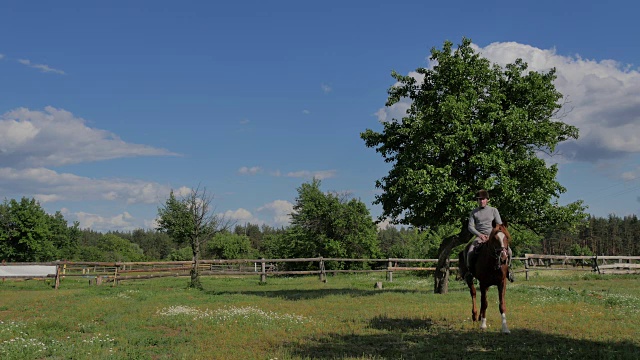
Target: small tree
<point x="191" y="220"/>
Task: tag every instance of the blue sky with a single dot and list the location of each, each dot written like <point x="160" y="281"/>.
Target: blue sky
<point x="106" y="106"/>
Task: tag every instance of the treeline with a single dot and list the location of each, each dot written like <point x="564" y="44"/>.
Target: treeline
<point x="596" y="236"/>
<point x="323" y="225"/>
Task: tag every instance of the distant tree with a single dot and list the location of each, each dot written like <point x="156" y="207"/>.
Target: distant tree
<point x="65" y="238"/>
<point x="524" y="241"/>
<point x="191" y="220"/>
<point x="181" y="254"/>
<point x="276" y="246"/>
<point x="115" y="248"/>
<point x="230" y="246"/>
<point x="156" y="245"/>
<point x="329" y="226"/>
<point x="28" y="233"/>
<point x="91" y="253"/>
<point x="472" y="125"/>
<point x="392" y="242"/>
<point x="253" y="232"/>
<point x="412" y="243"/>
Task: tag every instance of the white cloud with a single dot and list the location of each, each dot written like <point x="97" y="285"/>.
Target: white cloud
<point x="385" y="224"/>
<point x="55" y="137"/>
<point x="41" y="67"/>
<point x="602" y="99"/>
<point x="281" y="211"/>
<point x="325" y="88"/>
<point x="320" y="175"/>
<point x="249" y="170"/>
<point x="277" y="211"/>
<point x="122" y="222"/>
<point x="238" y="215"/>
<point x="306" y="112"/>
<point x="396" y="111"/>
<point x="47" y="185"/>
<point x="241" y="216"/>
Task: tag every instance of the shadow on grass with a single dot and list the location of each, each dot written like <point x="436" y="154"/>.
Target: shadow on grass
<point x="407" y="338"/>
<point x="312" y="294"/>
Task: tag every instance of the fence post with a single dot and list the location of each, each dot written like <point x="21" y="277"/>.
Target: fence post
<point x="57" y="277"/>
<point x="263" y="271"/>
<point x="526" y="269"/>
<point x="389" y="272"/>
<point x="323" y="275"/>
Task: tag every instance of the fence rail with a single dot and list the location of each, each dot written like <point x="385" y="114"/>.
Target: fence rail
<point x="600" y="264"/>
<point x="114" y="272"/>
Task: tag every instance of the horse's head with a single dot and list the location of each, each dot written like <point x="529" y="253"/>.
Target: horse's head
<point x="499" y="240"/>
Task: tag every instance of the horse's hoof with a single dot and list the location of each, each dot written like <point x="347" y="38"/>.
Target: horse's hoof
<point x="506" y="332"/>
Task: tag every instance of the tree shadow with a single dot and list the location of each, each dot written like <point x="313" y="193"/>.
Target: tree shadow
<point x="295" y="295"/>
<point x="407" y="338"/>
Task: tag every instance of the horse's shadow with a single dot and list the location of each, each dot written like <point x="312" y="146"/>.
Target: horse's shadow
<point x="310" y="294"/>
<point x="407" y="338"/>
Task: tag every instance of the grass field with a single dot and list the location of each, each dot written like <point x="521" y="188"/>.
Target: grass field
<point x="551" y="316"/>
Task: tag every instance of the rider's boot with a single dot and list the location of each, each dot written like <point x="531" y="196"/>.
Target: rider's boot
<point x="468" y="276"/>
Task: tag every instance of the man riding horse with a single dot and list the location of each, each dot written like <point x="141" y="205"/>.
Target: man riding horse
<point x="481" y="222"/>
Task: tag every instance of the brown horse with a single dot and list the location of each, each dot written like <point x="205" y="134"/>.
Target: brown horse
<point x="490" y="268"/>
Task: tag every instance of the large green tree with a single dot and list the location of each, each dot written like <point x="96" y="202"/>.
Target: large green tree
<point x="191" y="220"/>
<point x="471" y="125"/>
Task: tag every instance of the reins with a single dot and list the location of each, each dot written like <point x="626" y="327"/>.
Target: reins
<point x="498" y="251"/>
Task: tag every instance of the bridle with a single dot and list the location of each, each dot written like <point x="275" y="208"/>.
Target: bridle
<point x="500" y="253"/>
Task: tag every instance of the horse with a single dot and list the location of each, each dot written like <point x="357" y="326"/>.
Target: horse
<point x="490" y="268"/>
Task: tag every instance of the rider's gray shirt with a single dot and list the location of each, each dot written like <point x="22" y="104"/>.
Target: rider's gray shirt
<point x="480" y="220"/>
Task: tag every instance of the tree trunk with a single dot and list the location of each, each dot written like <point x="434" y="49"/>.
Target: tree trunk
<point x="195" y="267"/>
<point x="441" y="276"/>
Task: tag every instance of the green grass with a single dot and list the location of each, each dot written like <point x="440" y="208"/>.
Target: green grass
<point x="566" y="316"/>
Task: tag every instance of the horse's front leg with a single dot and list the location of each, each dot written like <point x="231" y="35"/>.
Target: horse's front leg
<point x="502" y="289"/>
<point x="483" y="306"/>
<point x="474" y="309"/>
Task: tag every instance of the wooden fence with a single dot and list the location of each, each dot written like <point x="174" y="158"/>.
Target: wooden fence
<point x="598" y="264"/>
<point x="114" y="272"/>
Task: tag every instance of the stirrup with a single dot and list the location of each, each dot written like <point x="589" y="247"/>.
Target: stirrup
<point x="510" y="276"/>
